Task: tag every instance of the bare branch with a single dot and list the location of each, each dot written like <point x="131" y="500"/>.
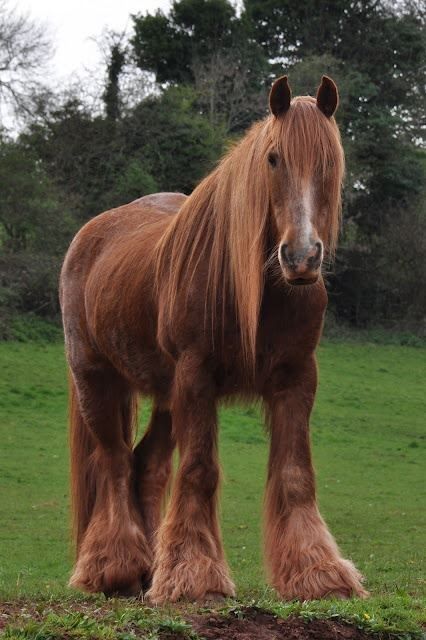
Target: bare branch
<point x="25" y="49"/>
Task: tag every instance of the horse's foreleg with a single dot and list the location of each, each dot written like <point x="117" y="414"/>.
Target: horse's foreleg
<point x="153" y="466"/>
<point x="113" y="554"/>
<point x="189" y="561"/>
<point x="303" y="558"/>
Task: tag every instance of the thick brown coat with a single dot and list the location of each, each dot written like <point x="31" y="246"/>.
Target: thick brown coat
<point x="194" y="300"/>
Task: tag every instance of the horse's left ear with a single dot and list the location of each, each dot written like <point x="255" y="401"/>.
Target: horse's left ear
<point x="327" y="96"/>
<point x="280" y="96"/>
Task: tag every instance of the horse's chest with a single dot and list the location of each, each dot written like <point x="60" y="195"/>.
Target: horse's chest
<point x="286" y="336"/>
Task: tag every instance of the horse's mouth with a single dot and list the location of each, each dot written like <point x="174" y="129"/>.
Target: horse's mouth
<point x="300" y="282"/>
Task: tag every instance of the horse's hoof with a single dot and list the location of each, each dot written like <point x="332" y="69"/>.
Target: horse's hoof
<point x="213" y="597"/>
<point x="133" y="590"/>
<point x="146" y="582"/>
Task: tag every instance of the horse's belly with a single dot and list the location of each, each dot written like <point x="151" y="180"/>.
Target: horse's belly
<point x="146" y="367"/>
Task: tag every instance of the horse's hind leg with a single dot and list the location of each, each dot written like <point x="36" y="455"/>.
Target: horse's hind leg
<point x="113" y="554"/>
<point x="153" y="465"/>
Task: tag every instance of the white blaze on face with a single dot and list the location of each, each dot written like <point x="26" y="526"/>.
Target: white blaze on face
<point x="301" y="209"/>
<point x="304" y="214"/>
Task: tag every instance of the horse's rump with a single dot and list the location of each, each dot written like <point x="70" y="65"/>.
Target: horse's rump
<point x="106" y="287"/>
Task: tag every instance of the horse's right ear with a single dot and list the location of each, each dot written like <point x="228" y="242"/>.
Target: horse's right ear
<point x="280" y="96"/>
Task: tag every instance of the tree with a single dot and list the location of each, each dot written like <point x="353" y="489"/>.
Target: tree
<point x="384" y="41"/>
<point x="35" y="228"/>
<point x="133" y="182"/>
<point x="203" y="43"/>
<point x="230" y="87"/>
<point x="194" y="29"/>
<point x="111" y="95"/>
<point x="24" y="51"/>
<point x="31" y="214"/>
<point x="176" y="144"/>
<point x="163" y="143"/>
<point x="81" y="153"/>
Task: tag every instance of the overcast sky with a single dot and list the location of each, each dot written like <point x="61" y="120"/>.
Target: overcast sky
<point x="72" y="26"/>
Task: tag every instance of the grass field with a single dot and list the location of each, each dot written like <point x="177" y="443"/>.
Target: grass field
<point x="368" y="438"/>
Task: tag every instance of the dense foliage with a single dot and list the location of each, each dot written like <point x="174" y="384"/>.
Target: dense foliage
<point x="212" y="67"/>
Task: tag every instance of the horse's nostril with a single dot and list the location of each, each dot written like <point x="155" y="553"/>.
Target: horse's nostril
<point x="315" y="256"/>
<point x="284" y="252"/>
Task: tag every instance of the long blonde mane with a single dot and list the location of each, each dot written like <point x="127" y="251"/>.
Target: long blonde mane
<point x="222" y="227"/>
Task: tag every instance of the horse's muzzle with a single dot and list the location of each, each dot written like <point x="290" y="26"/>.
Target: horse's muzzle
<point x="301" y="266"/>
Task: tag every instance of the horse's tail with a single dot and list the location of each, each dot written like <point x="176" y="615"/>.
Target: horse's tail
<point x="83" y="464"/>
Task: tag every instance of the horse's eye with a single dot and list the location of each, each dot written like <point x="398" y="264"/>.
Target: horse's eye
<point x="272" y="159"/>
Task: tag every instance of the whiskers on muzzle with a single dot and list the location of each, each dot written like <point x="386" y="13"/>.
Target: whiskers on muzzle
<point x="272" y="267"/>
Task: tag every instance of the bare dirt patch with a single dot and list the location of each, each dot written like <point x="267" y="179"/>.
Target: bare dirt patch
<point x="254" y="624"/>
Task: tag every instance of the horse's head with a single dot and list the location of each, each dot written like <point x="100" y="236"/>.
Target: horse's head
<point x="305" y="168"/>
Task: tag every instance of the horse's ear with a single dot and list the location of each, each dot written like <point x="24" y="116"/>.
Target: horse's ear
<point x="327" y="96"/>
<point x="280" y="96"/>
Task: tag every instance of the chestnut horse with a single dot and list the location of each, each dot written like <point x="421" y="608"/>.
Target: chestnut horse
<point x="193" y="300"/>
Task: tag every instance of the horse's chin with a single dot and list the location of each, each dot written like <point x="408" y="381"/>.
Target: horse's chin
<point x="301" y="282"/>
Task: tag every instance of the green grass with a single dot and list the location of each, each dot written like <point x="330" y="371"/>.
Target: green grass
<point x="77" y="618"/>
<point x="390" y="617"/>
<point x="368" y="439"/>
